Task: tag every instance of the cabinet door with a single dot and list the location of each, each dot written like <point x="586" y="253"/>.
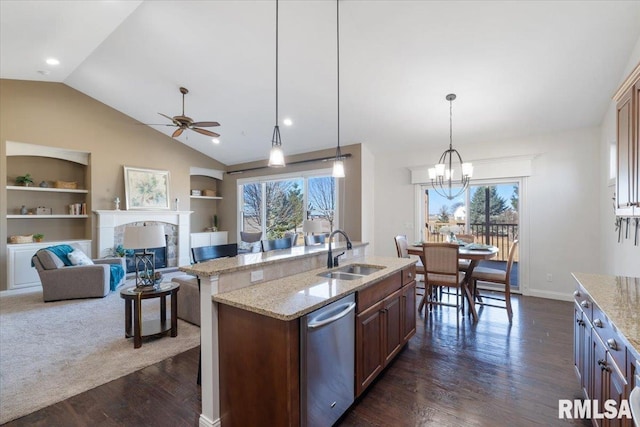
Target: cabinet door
<point x="600" y="375"/>
<point x="408" y="314"/>
<point x="617" y="388"/>
<point x="393" y="336"/>
<point x="369" y="346"/>
<point x="578" y="340"/>
<point x="625" y="175"/>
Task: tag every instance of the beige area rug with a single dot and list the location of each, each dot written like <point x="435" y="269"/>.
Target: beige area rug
<point x="50" y="352"/>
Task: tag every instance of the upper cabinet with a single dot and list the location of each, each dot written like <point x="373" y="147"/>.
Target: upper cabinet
<point x="628" y="148"/>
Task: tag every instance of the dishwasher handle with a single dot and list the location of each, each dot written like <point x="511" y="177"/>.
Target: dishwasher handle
<point x="314" y="324"/>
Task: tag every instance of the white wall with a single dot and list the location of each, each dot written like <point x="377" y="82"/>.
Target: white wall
<point x="368" y="198"/>
<point x="618" y="258"/>
<point x="562" y="199"/>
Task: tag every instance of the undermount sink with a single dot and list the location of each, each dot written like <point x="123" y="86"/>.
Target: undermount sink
<point x="363" y="270"/>
<point x="351" y="272"/>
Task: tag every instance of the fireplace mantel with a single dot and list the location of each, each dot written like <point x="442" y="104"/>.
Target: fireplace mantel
<point x="108" y="220"/>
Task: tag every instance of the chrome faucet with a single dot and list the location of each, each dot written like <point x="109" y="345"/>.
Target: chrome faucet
<point x="331" y="261"/>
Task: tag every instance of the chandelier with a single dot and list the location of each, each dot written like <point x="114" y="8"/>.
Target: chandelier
<point x="443" y="175"/>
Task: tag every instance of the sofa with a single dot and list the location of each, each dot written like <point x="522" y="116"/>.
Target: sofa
<point x="62" y="282"/>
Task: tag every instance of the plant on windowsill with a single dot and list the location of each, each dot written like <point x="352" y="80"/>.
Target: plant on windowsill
<point x="38" y="237"/>
<point x="25" y="180"/>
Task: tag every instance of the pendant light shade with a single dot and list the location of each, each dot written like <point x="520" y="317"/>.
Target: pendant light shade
<point x="276" y="156"/>
<point x="338" y="163"/>
<point x="450" y="177"/>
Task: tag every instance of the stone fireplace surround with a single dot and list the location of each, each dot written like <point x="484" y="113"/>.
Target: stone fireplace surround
<point x="109" y="220"/>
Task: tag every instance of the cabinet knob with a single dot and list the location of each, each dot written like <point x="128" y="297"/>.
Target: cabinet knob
<point x="597" y="323"/>
<point x="576" y="293"/>
<point x="601" y="362"/>
<point x="585" y="304"/>
<point x="612" y="344"/>
<point x="410" y="275"/>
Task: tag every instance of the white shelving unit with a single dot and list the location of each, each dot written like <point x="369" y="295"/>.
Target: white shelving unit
<point x="47" y="189"/>
<point x="45" y="216"/>
<point x="206" y="197"/>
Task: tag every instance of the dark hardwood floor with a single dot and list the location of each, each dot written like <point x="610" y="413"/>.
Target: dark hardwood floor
<point x="488" y="374"/>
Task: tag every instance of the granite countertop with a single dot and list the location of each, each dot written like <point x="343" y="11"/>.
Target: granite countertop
<point x="252" y="260"/>
<point x="619" y="298"/>
<point x="294" y="296"/>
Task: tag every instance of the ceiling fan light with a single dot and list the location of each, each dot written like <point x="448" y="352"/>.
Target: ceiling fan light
<point x="338" y="169"/>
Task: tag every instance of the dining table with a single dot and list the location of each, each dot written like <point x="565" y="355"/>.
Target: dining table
<point x="472" y="252"/>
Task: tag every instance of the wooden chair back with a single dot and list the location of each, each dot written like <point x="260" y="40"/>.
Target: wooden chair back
<point x="402" y="246"/>
<point x="205" y="253"/>
<point x="272" y="245"/>
<point x="318" y="239"/>
<point x="512" y="252"/>
<point x="441" y="259"/>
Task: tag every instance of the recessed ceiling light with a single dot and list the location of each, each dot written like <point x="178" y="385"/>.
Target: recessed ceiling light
<point x="215" y="140"/>
<point x="287" y="122"/>
<point x="53" y="61"/>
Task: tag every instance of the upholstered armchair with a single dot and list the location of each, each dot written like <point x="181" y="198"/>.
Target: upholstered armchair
<point x="61" y="282"/>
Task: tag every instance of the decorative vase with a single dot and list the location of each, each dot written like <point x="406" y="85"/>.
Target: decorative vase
<point x="23" y="210"/>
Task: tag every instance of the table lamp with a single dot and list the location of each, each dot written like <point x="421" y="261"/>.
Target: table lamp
<point x="310" y="226"/>
<point x="150" y="236"/>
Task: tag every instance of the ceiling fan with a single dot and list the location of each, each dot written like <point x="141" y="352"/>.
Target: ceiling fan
<point x="183" y="122"/>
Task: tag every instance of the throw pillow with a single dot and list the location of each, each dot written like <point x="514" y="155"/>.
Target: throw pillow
<point x="77" y="257"/>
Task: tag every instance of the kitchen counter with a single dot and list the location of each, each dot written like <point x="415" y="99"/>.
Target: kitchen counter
<point x="256" y="260"/>
<point x="294" y="296"/>
<point x="619" y="298"/>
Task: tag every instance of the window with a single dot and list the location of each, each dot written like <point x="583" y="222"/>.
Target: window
<point x="276" y="206"/>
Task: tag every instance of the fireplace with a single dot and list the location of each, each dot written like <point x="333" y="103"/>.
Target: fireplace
<point x="159" y="257"/>
<point x="110" y="225"/>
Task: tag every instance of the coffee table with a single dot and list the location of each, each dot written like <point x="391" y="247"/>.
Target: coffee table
<point x="133" y="324"/>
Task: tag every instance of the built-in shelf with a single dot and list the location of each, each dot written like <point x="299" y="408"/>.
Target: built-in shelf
<point x="49" y="189"/>
<point x="207" y="197"/>
<point x="44" y="216"/>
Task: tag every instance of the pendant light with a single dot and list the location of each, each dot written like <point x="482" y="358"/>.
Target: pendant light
<point x="338" y="163"/>
<point x="276" y="156"/>
<point x="442" y="175"/>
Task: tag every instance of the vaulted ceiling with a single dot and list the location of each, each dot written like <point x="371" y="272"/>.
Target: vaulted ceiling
<point x="519" y="68"/>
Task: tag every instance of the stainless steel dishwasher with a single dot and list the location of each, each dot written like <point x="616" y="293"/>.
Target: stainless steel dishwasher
<point x="327" y="344"/>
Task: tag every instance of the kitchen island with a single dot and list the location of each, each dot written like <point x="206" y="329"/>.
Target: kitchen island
<point x="275" y="270"/>
<point x="607" y="338"/>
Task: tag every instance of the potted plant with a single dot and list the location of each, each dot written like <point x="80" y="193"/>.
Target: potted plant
<point x="38" y="237"/>
<point x="25" y="180"/>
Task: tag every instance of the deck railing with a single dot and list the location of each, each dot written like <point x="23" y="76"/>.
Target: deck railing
<point x="500" y="235"/>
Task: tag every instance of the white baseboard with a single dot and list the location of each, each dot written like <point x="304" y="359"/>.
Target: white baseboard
<point x="550" y="295"/>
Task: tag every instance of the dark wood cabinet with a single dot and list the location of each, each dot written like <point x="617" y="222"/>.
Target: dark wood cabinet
<point x="604" y="365"/>
<point x="628" y="147"/>
<point x="386" y="320"/>
<point x="369" y="346"/>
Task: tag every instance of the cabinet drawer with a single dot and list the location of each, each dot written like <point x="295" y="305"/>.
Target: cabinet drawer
<point x="584" y="301"/>
<point x="378" y="291"/>
<point x="408" y="275"/>
<point x="610" y="337"/>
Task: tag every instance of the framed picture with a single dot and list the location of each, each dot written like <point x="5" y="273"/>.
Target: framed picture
<point x="146" y="189"/>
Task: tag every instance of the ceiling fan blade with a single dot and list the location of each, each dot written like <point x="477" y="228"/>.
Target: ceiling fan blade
<point x="170" y="118"/>
<point x="205" y="124"/>
<point x="206" y="132"/>
<point x="177" y="133"/>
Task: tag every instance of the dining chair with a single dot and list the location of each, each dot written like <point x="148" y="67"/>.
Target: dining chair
<point x="441" y="268"/>
<point x="272" y="245"/>
<point x="293" y="237"/>
<point x="494" y="275"/>
<point x="402" y="248"/>
<point x="318" y="239"/>
<point x="206" y="253"/>
<point x="250" y="237"/>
